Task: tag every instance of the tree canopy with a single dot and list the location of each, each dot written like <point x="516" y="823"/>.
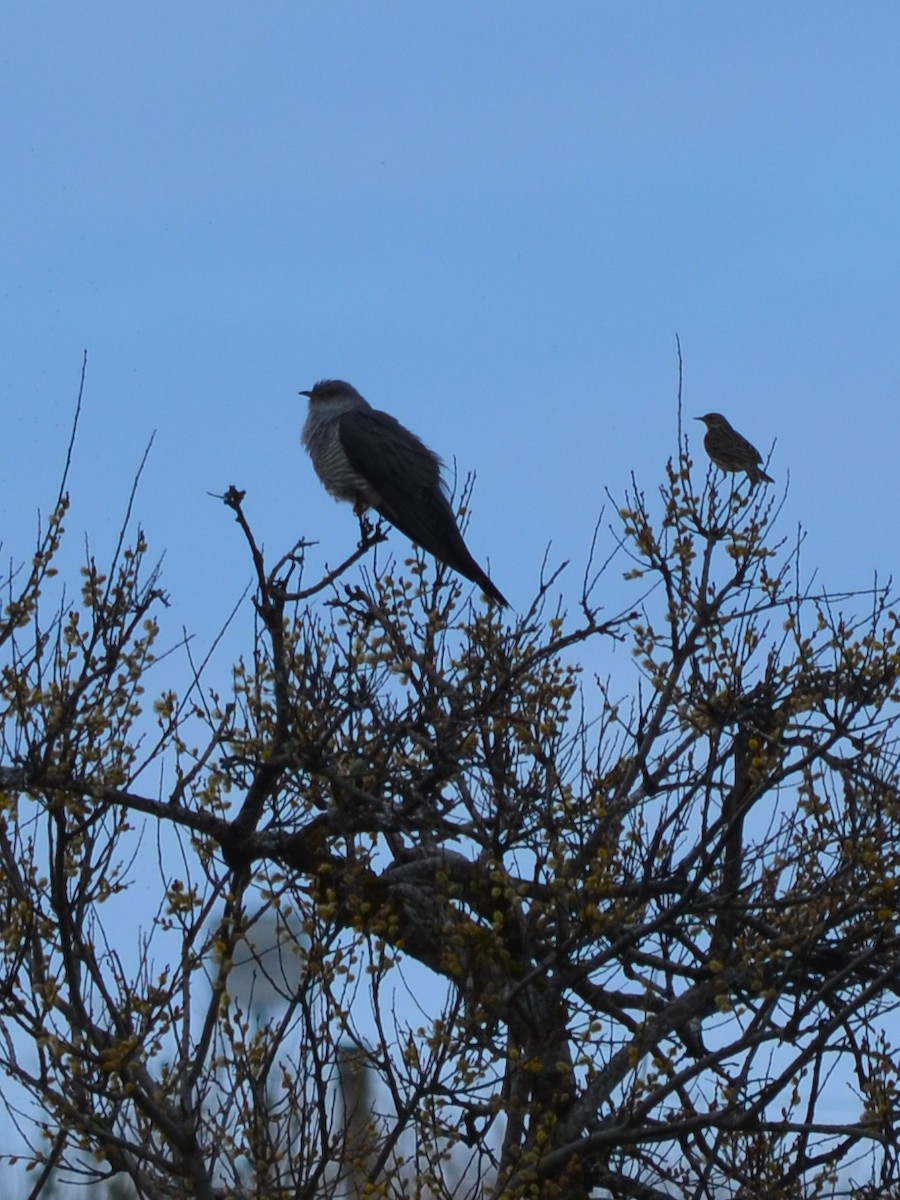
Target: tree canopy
<point x="601" y="902"/>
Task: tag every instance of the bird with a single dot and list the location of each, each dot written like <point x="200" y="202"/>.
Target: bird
<point x="367" y="457"/>
<point x="730" y="451"/>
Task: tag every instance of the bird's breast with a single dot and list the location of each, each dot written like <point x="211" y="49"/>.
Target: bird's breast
<point x="331" y="464"/>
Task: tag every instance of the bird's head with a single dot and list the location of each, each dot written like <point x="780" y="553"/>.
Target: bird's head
<point x="331" y="389"/>
<point x="714" y="421"/>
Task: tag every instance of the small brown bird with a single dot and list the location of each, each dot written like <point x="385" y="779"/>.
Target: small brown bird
<point x="730" y="451"/>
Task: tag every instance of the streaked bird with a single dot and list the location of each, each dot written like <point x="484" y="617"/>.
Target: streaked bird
<point x="369" y="458"/>
<point x="730" y="451"/>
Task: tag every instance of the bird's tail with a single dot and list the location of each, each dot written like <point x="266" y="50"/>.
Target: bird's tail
<point x="474" y="572"/>
<point x="455" y="553"/>
<point x="432" y="526"/>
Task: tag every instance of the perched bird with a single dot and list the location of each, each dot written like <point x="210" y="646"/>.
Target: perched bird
<point x="730" y="451"/>
<point x="369" y="458"/>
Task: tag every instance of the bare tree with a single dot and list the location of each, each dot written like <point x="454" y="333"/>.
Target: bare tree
<point x="588" y="932"/>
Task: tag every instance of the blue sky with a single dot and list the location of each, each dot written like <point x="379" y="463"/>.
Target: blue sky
<point x="493" y="219"/>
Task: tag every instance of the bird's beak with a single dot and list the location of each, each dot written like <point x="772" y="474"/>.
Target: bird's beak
<point x="304" y="393"/>
<point x="695" y="418"/>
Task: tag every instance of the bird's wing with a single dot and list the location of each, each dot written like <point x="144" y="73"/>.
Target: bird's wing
<point x="730" y="443"/>
<point x="406" y="476"/>
<point x="404" y="473"/>
<point x="749" y="449"/>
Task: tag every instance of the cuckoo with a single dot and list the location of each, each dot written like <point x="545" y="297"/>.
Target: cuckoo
<point x="369" y="458"/>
